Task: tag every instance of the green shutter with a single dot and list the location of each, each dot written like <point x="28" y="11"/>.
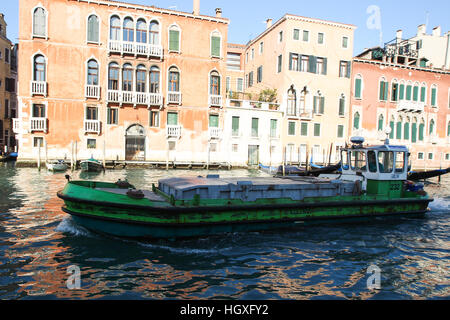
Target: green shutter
<point x="325" y="63"/>
<point x="174" y="43"/>
<point x="340" y="131"/>
<point x="380" y="123"/>
<point x="431" y="127"/>
<point x="273" y="128"/>
<point x="108" y="116"/>
<point x="423" y="91"/>
<point x="215" y="46"/>
<point x="414" y="132"/>
<point x="402" y="92"/>
<point x="172" y="119"/>
<point x="433" y="97"/>
<point x="317" y="129"/>
<point x="322" y="105"/>
<point x="421" y="131"/>
<point x="315" y="104"/>
<point x="358" y="88"/>
<point x="291" y="55"/>
<point x="304" y="129"/>
<point x="341" y="106"/>
<point x="392" y="125"/>
<point x="399" y="131"/>
<point x="254" y="127"/>
<point x="213" y="121"/>
<point x="356" y="121"/>
<point x="408" y="92"/>
<point x="349" y="69"/>
<point x="312" y="64"/>
<point x="416" y="93"/>
<point x="291" y="128"/>
<point x="235" y="126"/>
<point x="406" y="131"/>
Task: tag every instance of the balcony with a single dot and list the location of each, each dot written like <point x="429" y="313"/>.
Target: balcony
<point x="215" y="133"/>
<point x="92" y="126"/>
<point x="135" y="98"/>
<point x="39" y="88"/>
<point x="173" y="131"/>
<point x="16" y="125"/>
<point x="92" y="91"/>
<point x="38" y="124"/>
<point x="306" y="114"/>
<point x="135" y="48"/>
<point x="433" y="138"/>
<point x="410" y="106"/>
<point x="215" y="101"/>
<point x="174" y="98"/>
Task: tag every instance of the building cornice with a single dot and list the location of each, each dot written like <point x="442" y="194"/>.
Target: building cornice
<point x="118" y="4"/>
<point x="402" y="66"/>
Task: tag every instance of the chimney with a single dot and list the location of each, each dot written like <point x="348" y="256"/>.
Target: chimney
<point x="196" y="11"/>
<point x="268" y="23"/>
<point x="218" y="12"/>
<point x="399" y="35"/>
<point x="422" y="29"/>
<point x="437" y="31"/>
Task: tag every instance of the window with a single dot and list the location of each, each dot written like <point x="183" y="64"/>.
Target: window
<point x="154" y="79"/>
<point x="213" y="121"/>
<point x="316" y="129"/>
<point x="414" y="131"/>
<point x="128" y="30"/>
<point x="114" y="28"/>
<point x="93" y="29"/>
<point x="358" y="160"/>
<point x="215" y="44"/>
<point x="292" y="102"/>
<point x="384" y="88"/>
<point x="154" y="119"/>
<point x="39" y="22"/>
<point x="255" y="122"/>
<point x="394" y="93"/>
<point x="141" y="79"/>
<point x="421" y="130"/>
<point x="433" y="95"/>
<point x="291" y="128"/>
<point x="296" y="34"/>
<point x="432" y="124"/>
<point x="423" y="93"/>
<point x="91" y="113"/>
<point x="430" y="156"/>
<point x="250" y="79"/>
<point x="91" y="143"/>
<point x="385" y="161"/>
<point x="259" y="75"/>
<point x="112" y="114"/>
<point x="39" y="68"/>
<point x="154" y="33"/>
<point x="401" y="93"/>
<point x="356" y="120"/>
<point x="416" y="92"/>
<point x="447" y="156"/>
<point x="172" y="119"/>
<point x="342" y="105"/>
<point x="304" y="63"/>
<point x="234" y="148"/>
<point x="38" y="111"/>
<point x="240" y="85"/>
<point x="253" y="53"/>
<point x="7" y="55"/>
<point x="214" y="83"/>
<point x="293" y="62"/>
<point x="345" y="42"/>
<point x="321" y="65"/>
<point x="273" y="128"/>
<point x="92" y="74"/>
<point x="235" y="126"/>
<point x="420" y="156"/>
<point x="172" y="145"/>
<point x="406" y="129"/>
<point x="408" y="92"/>
<point x="304" y="129"/>
<point x="280" y="63"/>
<point x="141" y="31"/>
<point x="372" y="161"/>
<point x="38" y="142"/>
<point x="399" y="129"/>
<point x="392" y="127"/>
<point x="305" y="35"/>
<point x="228" y="84"/>
<point x="127" y="77"/>
<point x="280" y="36"/>
<point x="261" y="47"/>
<point x="174" y="39"/>
<point x="380" y="122"/>
<point x="174" y="80"/>
<point x="340" y="131"/>
<point x="113" y="76"/>
<point x="344" y="69"/>
<point x="320" y="38"/>
<point x="319" y="104"/>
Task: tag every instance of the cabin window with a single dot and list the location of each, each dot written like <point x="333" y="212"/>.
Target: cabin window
<point x="372" y="161"/>
<point x="386" y="161"/>
<point x="358" y="161"/>
<point x="399" y="162"/>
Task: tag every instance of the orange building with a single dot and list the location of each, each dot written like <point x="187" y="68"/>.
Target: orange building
<point x="394" y="96"/>
<point x="119" y="81"/>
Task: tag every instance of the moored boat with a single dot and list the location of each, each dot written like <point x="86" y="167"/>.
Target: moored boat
<point x="6" y="157"/>
<point x="190" y="207"/>
<point x="91" y="165"/>
<point x="57" y="166"/>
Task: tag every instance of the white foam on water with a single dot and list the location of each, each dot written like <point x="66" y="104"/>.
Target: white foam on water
<point x="440" y="204"/>
<point x="69" y="226"/>
<point x="183" y="250"/>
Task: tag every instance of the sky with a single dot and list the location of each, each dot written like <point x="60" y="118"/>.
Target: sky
<point x="247" y="17"/>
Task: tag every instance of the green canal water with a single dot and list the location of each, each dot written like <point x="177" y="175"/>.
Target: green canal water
<point x="39" y="244"/>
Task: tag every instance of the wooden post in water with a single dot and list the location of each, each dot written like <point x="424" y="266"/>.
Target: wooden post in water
<point x="75" y="154"/>
<point x="71" y="155"/>
<point x="329" y="156"/>
<point x="207" y="159"/>
<point x="307" y="157"/>
<point x="440" y="167"/>
<point x="104" y="153"/>
<point x="39" y="157"/>
<point x="46" y="152"/>
<point x="167" y="156"/>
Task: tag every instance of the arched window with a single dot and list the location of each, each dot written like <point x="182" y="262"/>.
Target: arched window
<point x="380" y="122"/>
<point x="292" y="102"/>
<point x="421" y="130"/>
<point x="174" y="38"/>
<point x="216" y="45"/>
<point x="40" y="22"/>
<point x="358" y="86"/>
<point x="174" y="79"/>
<point x="384" y="88"/>
<point x="113" y="76"/>
<point x="342" y="105"/>
<point x="423" y="92"/>
<point x="127" y="77"/>
<point x="141" y="31"/>
<point x="114" y="32"/>
<point x="416" y="92"/>
<point x="154" y="79"/>
<point x="128" y="30"/>
<point x="398" y="130"/>
<point x="414" y="130"/>
<point x="92" y="74"/>
<point x="433" y="95"/>
<point x="141" y="78"/>
<point x="401" y="91"/>
<point x="356" y="120"/>
<point x="93" y="29"/>
<point x="409" y="91"/>
<point x="392" y="126"/>
<point x="432" y="124"/>
<point x="395" y="91"/>
<point x="214" y="83"/>
<point x="39" y="68"/>
<point x="154" y="33"/>
<point x="406" y="129"/>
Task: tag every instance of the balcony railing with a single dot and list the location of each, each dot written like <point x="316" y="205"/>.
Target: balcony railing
<point x="39" y="88"/>
<point x="135" y="48"/>
<point x="92" y="126"/>
<point x="173" y="131"/>
<point x="215" y="101"/>
<point x="215" y="133"/>
<point x="16" y="125"/>
<point x="92" y="91"/>
<point x="131" y="97"/>
<point x="410" y="106"/>
<point x="174" y="97"/>
<point x="38" y="124"/>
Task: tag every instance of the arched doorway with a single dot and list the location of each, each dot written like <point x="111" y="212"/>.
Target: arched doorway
<point x="135" y="143"/>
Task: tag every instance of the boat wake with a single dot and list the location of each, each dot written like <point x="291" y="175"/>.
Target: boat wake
<point x="440" y="204"/>
<point x="69" y="226"/>
<point x="184" y="250"/>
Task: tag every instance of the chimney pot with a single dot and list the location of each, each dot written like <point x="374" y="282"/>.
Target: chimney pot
<point x="218" y="12"/>
<point x="268" y="23"/>
<point x="422" y="29"/>
<point x="196" y="8"/>
<point x="437" y="31"/>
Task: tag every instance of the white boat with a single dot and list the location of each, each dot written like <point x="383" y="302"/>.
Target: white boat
<point x="55" y="166"/>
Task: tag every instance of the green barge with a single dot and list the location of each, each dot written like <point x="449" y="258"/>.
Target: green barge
<point x="373" y="184"/>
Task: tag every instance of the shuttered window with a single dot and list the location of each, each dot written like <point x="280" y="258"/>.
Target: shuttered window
<point x="402" y="92"/>
<point x="392" y="126"/>
<point x="356" y="121"/>
<point x="172" y="119"/>
<point x="174" y="40"/>
<point x="380" y="122"/>
<point x="316" y="129"/>
<point x="414" y="132"/>
<point x="93" y="29"/>
<point x="416" y="93"/>
<point x="255" y="123"/>
<point x="423" y="92"/>
<point x="342" y="106"/>
<point x="39" y="22"/>
<point x="340" y="133"/>
<point x="304" y="129"/>
<point x="384" y="87"/>
<point x="399" y="130"/>
<point x="235" y="126"/>
<point x="273" y="128"/>
<point x="406" y="131"/>
<point x="408" y="92"/>
<point x="215" y="46"/>
<point x="433" y="96"/>
<point x="213" y="121"/>
<point x="421" y="131"/>
<point x="291" y="128"/>
<point x="358" y="87"/>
